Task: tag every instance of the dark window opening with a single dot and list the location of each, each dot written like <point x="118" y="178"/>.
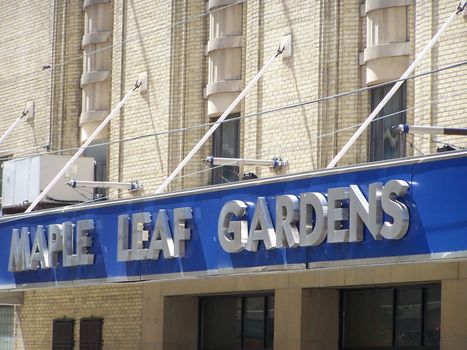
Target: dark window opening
<point x="99" y="150"/>
<point x="7" y="334"/>
<point x="234" y="323"/>
<point x="226" y="144"/>
<point x="385" y="142"/>
<point x="3" y="160"/>
<point x="62" y="334"/>
<point x="391" y="318"/>
<point x="90" y="333"/>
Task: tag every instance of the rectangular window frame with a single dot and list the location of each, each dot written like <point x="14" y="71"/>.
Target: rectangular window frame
<point x="7" y="327"/>
<point x="376" y="132"/>
<point x="100" y="151"/>
<point x="268" y="301"/>
<point x="219" y="174"/>
<point x="3" y="158"/>
<point x="91" y="344"/>
<point x="57" y="342"/>
<point x="395" y="289"/>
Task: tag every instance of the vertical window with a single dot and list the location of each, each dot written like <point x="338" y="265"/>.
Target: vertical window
<point x="62" y="334"/>
<point x="232" y="323"/>
<point x="385" y="142"/>
<point x="3" y="159"/>
<point x="90" y="334"/>
<point x="99" y="153"/>
<point x="6" y="327"/>
<point x="392" y="318"/>
<point x="225" y="143"/>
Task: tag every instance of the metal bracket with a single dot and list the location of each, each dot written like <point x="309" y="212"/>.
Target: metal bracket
<point x="143" y="80"/>
<point x="275" y="163"/>
<point x="130" y="186"/>
<point x="286" y="46"/>
<point x="29" y="110"/>
<point x="462" y="8"/>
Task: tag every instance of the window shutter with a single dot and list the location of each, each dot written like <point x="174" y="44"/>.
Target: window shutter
<point x="62" y="338"/>
<point x="90" y="333"/>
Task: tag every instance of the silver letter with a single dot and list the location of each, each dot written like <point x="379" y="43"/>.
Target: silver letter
<point x="313" y="235"/>
<point x="84" y="241"/>
<point x="181" y="232"/>
<point x="286" y="221"/>
<point x="39" y="252"/>
<point x="361" y="212"/>
<point x="69" y="259"/>
<point x="337" y="214"/>
<point x="232" y="235"/>
<point x="261" y="228"/>
<point x="161" y="238"/>
<point x="55" y="243"/>
<point x="123" y="245"/>
<point x="393" y="190"/>
<point x="139" y="235"/>
<point x="19" y="250"/>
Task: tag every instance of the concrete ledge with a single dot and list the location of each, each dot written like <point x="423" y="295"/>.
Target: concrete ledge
<point x="213" y="4"/>
<point x="372" y="5"/>
<point x="11" y="298"/>
<point x="94" y="77"/>
<point x="219" y="87"/>
<point x="93" y="116"/>
<point x="217" y="104"/>
<point x="227" y="42"/>
<point x="386" y="50"/>
<point x="95" y="38"/>
<point x="89" y="3"/>
<point x="385" y="69"/>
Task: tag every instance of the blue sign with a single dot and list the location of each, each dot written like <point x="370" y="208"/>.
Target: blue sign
<point x="410" y="207"/>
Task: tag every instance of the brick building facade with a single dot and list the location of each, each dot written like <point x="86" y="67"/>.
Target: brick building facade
<point x="337" y="47"/>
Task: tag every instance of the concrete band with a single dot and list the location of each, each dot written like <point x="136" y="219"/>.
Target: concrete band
<point x="227" y="42"/>
<point x="93" y="116"/>
<point x="372" y="5"/>
<point x="96" y="38"/>
<point x="89" y="3"/>
<point x="213" y="4"/>
<point x="386" y="50"/>
<point x="94" y="77"/>
<point x="219" y="87"/>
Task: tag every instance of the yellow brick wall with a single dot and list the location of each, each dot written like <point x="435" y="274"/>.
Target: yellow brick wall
<point x="173" y="56"/>
<point x="445" y="87"/>
<point x="149" y="37"/>
<point x="21" y="77"/>
<point x="119" y="305"/>
<point x="327" y="38"/>
<point x="35" y="34"/>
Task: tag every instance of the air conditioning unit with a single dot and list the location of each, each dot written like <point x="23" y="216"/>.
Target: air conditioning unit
<point x="24" y="179"/>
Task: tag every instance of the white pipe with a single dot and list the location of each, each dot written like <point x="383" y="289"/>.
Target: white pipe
<point x="394" y="89"/>
<point x="12" y="127"/>
<point x="216" y="161"/>
<point x="430" y="130"/>
<point x="414" y="129"/>
<point x="81" y="150"/>
<point x="104" y="184"/>
<point x="216" y="125"/>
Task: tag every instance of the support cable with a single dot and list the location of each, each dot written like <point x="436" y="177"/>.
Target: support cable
<point x="252" y="115"/>
<point x="438" y="142"/>
<point x="13" y="126"/>
<point x="136" y="38"/>
<point x="226" y="113"/>
<point x="394" y="89"/>
<point x="62" y="172"/>
<point x="259" y="154"/>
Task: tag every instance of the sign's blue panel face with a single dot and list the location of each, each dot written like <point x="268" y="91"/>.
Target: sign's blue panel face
<point x="436" y="203"/>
